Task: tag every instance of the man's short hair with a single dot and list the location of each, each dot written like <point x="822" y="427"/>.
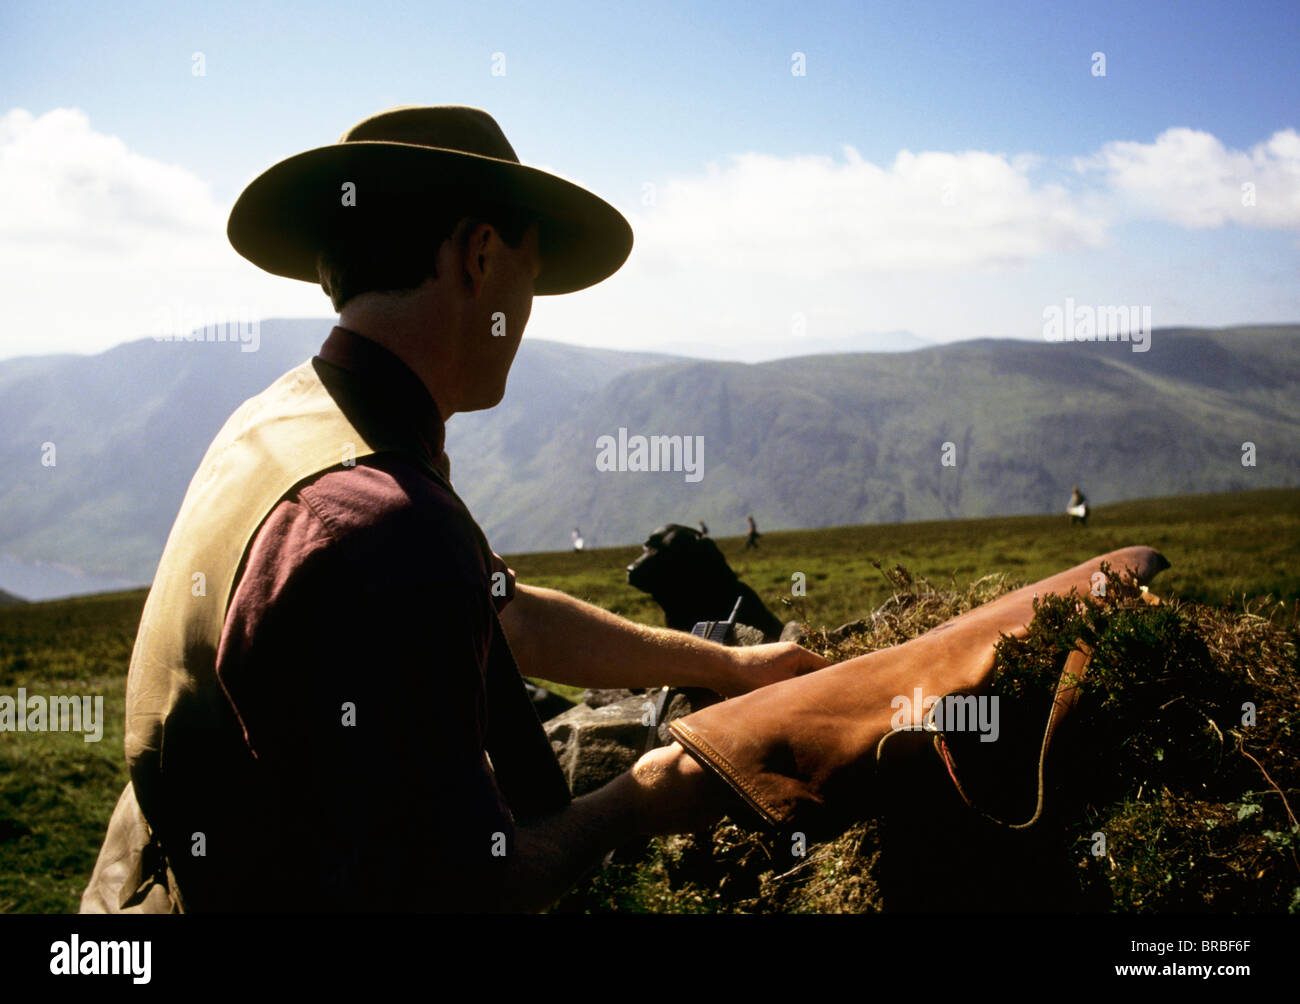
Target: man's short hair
<point x="400" y="258"/>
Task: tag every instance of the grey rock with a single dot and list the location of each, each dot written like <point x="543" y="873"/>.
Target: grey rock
<point x="681" y="703"/>
<point x="595" y="745"/>
<point x="743" y="634"/>
<point x="599" y="698"/>
<point x="793" y="631"/>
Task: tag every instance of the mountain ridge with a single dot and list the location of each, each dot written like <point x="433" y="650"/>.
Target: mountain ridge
<point x="806" y="441"/>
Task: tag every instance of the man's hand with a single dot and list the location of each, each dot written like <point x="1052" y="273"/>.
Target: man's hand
<point x="756" y="666"/>
<point x="666" y="791"/>
<point x="674" y="794"/>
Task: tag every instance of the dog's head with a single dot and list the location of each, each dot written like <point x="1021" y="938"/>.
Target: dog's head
<point x="674" y="555"/>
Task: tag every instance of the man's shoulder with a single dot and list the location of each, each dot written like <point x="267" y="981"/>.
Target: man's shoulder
<point x="386" y="502"/>
<point x="382" y="526"/>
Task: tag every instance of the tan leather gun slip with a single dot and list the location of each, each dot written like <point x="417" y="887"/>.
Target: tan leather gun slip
<point x="801" y="748"/>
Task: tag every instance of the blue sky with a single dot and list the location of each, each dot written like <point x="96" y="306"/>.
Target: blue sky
<point x="991" y="171"/>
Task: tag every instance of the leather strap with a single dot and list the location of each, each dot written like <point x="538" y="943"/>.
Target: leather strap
<point x="1063" y="701"/>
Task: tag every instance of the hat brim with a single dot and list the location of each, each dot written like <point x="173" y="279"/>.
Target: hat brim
<point x="293" y="210"/>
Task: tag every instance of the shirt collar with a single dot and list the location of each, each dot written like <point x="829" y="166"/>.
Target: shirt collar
<point x="354" y="352"/>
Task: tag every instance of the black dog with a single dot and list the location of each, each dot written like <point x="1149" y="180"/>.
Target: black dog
<point x="687" y="575"/>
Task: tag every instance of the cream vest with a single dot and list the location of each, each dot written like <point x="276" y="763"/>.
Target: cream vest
<point x="315" y="417"/>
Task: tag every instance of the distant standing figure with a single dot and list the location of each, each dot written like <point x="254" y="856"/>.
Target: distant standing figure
<point x="577" y="539"/>
<point x="752" y="539"/>
<point x="704" y="530"/>
<point x="1078" y="507"/>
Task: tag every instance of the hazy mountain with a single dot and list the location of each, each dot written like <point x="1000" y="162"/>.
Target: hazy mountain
<point x="803" y="442"/>
<point x="9" y="599"/>
<point x="828" y="440"/>
<point x="760" y="350"/>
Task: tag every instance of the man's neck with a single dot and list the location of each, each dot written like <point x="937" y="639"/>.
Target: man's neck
<point x="411" y="335"/>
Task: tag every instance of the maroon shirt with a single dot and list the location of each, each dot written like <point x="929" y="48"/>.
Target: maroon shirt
<point x="370" y="588"/>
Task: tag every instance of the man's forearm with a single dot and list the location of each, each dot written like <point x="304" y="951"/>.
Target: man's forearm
<point x="666" y="791"/>
<point x="553" y="853"/>
<point x="543" y="624"/>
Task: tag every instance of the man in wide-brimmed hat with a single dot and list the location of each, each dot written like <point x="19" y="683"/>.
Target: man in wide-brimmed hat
<point x="323" y="712"/>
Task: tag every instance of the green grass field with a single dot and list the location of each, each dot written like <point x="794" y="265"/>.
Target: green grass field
<point x="57" y="791"/>
<point x="1221" y="547"/>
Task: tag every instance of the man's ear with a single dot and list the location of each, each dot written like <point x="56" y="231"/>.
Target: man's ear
<point x="476" y="259"/>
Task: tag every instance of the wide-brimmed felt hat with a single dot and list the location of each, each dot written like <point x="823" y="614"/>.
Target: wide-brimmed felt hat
<point x="404" y="163"/>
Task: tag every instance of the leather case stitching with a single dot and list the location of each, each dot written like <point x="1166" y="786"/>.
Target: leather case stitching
<point x="689" y="737"/>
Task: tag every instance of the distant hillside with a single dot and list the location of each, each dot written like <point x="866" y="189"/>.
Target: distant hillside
<point x="837" y="440"/>
<point x="9" y="599"/>
<point x="760" y="350"/>
<point x="805" y="442"/>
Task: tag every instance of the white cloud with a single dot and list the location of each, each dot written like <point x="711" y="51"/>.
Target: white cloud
<point x="817" y="216"/>
<point x="98" y="242"/>
<point x="1190" y="178"/>
<point x="743" y="258"/>
<point x="71" y="190"/>
<point x="99" y="245"/>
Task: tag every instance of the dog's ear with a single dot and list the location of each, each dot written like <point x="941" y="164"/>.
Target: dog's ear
<point x="709" y="550"/>
<point x="661" y="536"/>
<point x="647" y="571"/>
